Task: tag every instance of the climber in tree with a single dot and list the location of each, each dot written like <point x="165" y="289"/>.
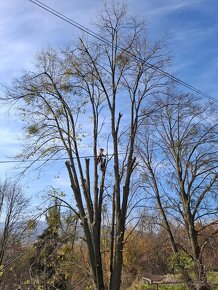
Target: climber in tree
<point x="101" y="159"/>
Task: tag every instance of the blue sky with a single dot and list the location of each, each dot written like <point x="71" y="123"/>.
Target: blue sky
<point x="191" y="26"/>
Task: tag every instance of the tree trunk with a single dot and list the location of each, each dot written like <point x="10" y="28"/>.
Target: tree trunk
<point x="115" y="282"/>
<point x="200" y="272"/>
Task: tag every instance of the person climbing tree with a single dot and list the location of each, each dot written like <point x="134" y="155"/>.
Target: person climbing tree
<point x="101" y="159"/>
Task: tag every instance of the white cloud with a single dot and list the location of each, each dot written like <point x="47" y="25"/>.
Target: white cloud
<point x="9" y="136"/>
<point x="159" y="8"/>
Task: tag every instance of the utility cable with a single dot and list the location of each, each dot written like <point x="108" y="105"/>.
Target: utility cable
<point x="104" y="40"/>
<point x="56" y="159"/>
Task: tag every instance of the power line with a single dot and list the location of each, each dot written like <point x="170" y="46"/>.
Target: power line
<point x="55" y="159"/>
<point x="104" y="40"/>
<point x="32" y="160"/>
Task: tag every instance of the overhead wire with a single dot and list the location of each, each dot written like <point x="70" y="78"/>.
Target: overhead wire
<point x="56" y="159"/>
<point x="104" y="40"/>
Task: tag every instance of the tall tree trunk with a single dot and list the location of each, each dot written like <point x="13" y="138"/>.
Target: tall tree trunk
<point x="115" y="282"/>
<point x="200" y="272"/>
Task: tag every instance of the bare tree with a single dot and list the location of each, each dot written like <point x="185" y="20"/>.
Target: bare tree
<point x="86" y="97"/>
<point x="178" y="153"/>
<point x="12" y="207"/>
